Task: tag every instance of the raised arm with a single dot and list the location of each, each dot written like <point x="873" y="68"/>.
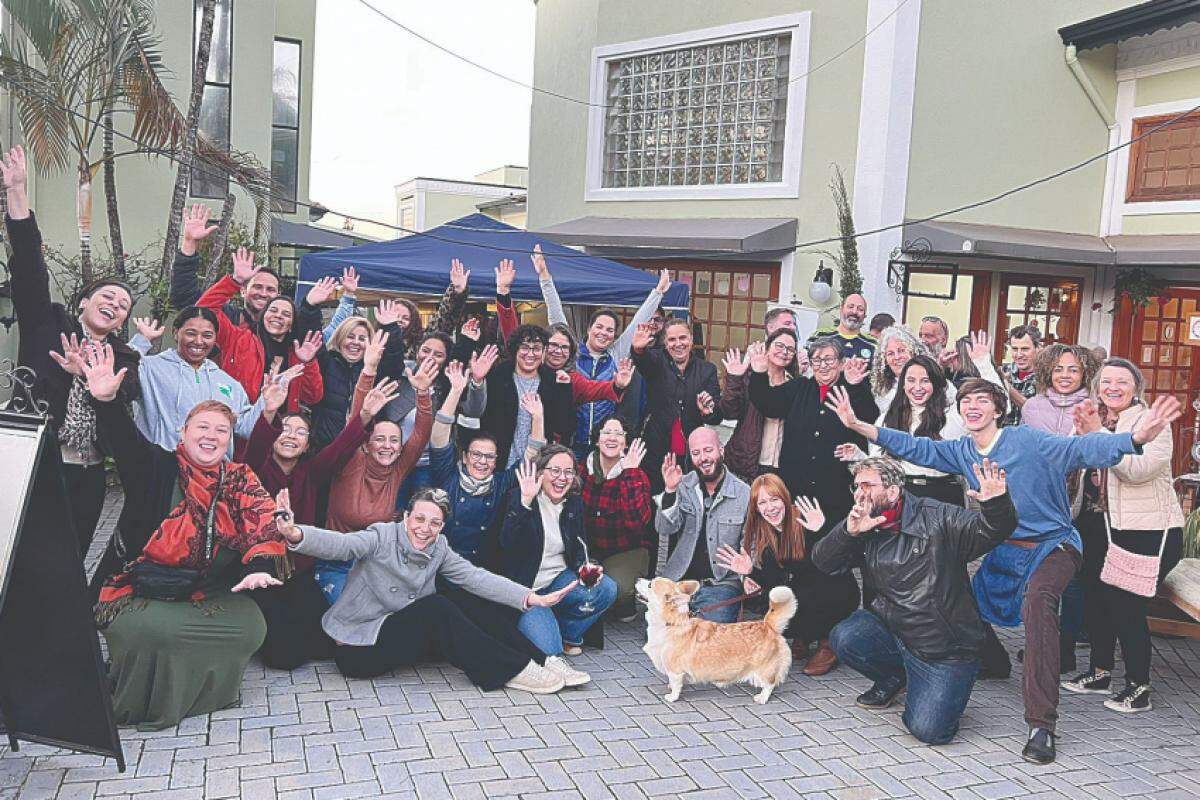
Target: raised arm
<point x="735" y="399"/>
<point x="29" y="280"/>
<point x="414" y="446"/>
<point x="443" y="423"/>
<point x="506" y="313"/>
<point x="452" y="309"/>
<point x="554" y="307"/>
<point x="624" y="343"/>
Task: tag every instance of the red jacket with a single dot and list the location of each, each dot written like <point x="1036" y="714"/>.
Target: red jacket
<point x="243" y="357"/>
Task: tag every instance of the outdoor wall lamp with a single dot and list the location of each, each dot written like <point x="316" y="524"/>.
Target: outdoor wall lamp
<point x="822" y="285"/>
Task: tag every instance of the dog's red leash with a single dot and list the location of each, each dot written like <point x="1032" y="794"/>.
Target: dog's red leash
<point x="724" y="603"/>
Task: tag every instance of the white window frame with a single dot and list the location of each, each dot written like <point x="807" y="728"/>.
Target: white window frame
<point x="798" y="25"/>
<point x="1126" y="116"/>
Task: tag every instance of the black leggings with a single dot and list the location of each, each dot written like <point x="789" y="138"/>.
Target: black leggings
<point x="434" y="625"/>
<point x="85" y="490"/>
<point x="1121" y="615"/>
<point x="293" y="614"/>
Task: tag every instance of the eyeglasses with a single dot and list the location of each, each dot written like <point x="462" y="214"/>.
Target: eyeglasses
<point x="558" y="348"/>
<point x="854" y="488"/>
<point x="530" y="349"/>
<point x="618" y="433"/>
<point x="780" y="347"/>
<point x="482" y="458"/>
<point x="560" y="472"/>
<point x="827" y="361"/>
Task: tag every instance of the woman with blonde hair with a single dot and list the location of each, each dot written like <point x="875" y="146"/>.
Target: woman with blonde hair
<point x="340" y="361"/>
<point x="776" y="541"/>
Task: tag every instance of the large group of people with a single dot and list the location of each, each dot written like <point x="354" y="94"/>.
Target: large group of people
<point x="377" y="490"/>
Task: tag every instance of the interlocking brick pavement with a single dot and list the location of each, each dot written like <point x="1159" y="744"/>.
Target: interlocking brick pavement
<point x="428" y="733"/>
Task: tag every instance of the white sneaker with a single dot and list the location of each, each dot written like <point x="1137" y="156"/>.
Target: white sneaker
<point x="536" y="679"/>
<point x="570" y="675"/>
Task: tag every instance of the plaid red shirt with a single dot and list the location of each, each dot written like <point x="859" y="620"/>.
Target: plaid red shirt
<point x="619" y="512"/>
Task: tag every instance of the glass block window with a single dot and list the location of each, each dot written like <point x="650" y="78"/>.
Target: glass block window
<point x="703" y="115"/>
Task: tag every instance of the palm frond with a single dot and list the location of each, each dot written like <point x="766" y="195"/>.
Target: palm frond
<point x="47" y="126"/>
<point x="40" y="21"/>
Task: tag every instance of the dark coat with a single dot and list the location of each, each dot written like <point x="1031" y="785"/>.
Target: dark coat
<point x="522" y="537"/>
<point x="744" y="447"/>
<point x="329" y="414"/>
<point x="811" y="433"/>
<point x="923" y="592"/>
<point x="500" y="416"/>
<point x="671" y="395"/>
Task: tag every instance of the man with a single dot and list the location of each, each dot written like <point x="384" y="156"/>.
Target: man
<point x="880" y="322"/>
<point x="934" y="333"/>
<point x="1022" y="580"/>
<point x="811" y="434"/>
<point x="700" y="513"/>
<point x="682" y="392"/>
<point x="1024" y="343"/>
<point x="851" y="315"/>
<point x="778" y="318"/>
<point x="922" y="629"/>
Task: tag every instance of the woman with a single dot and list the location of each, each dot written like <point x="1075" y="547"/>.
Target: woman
<point x="179" y="631"/>
<point x="277" y="453"/>
<point x="436" y="346"/>
<point x="542" y="547"/>
<point x="340" y="362"/>
<point x="619" y="511"/>
<point x="756" y="442"/>
<point x="920" y="408"/>
<point x="1144" y="517"/>
<point x="247" y="353"/>
<point x="897" y="345"/>
<point x="364" y="490"/>
<point x="380" y="629"/>
<point x="173" y="382"/>
<point x="776" y="542"/>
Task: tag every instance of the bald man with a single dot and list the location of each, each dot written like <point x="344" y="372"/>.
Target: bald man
<point x="852" y="313"/>
<point x="700" y="512"/>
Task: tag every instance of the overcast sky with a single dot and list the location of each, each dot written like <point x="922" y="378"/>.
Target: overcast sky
<point x="388" y="107"/>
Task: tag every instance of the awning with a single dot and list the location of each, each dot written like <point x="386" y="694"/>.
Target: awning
<point x="711" y="234"/>
<point x="1031" y="244"/>
<point x="295" y="234"/>
<point x="1133" y="21"/>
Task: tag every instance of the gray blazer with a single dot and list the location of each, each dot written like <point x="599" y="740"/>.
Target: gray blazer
<point x="389" y="574"/>
<point x="682" y="520"/>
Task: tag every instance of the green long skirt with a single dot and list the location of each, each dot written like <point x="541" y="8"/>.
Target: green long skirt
<point x="172" y="660"/>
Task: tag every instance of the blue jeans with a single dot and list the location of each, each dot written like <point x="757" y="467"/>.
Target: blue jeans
<point x="549" y="628"/>
<point x="938" y="691"/>
<point x="715" y="593"/>
<point x="420" y="478"/>
<point x="331" y="577"/>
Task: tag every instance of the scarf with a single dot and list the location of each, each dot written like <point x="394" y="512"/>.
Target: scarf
<point x="596" y="469"/>
<point x="244" y="524"/>
<point x="473" y="487"/>
<point x="78" y="430"/>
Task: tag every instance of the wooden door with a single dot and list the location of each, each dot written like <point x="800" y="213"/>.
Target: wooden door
<point x="1048" y="303"/>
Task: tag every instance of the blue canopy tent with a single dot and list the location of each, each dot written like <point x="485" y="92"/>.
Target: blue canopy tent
<point x="420" y="265"/>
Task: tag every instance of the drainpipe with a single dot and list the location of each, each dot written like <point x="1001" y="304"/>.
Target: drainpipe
<point x="1089" y="88"/>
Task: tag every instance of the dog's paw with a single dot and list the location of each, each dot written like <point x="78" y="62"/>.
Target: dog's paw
<point x="671" y="697"/>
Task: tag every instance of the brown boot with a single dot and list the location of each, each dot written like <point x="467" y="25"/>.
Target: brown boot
<point x="799" y="649"/>
<point x="822" y="661"/>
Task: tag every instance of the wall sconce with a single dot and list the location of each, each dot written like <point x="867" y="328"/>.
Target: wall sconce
<point x="822" y="285"/>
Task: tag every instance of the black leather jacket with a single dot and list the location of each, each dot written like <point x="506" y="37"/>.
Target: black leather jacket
<point x="920" y="572"/>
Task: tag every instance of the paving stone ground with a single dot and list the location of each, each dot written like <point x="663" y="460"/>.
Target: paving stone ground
<point x="428" y="733"/>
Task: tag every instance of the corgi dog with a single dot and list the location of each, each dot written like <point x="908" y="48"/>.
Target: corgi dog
<point x="682" y="646"/>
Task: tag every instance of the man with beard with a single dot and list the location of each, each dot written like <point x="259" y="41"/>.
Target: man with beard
<point x="922" y="630"/>
<point x="851" y="316"/>
<point x="682" y="392"/>
<point x="1023" y="580"/>
<point x="1024" y="343"/>
<point x="701" y="513"/>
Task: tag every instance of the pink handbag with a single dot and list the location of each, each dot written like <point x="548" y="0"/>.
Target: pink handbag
<point x="1132" y="572"/>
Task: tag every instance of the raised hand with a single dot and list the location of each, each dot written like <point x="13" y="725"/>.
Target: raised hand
<point x="350" y="282"/>
<point x="705" y="404"/>
<point x="321" y="291"/>
<point x="102" y="383"/>
<point x="73" y="358"/>
<point x="643" y="335"/>
<point x="854" y="370"/>
<point x="981" y="346"/>
<point x="664" y="281"/>
<point x="243" y="266"/>
<point x="195" y="227"/>
<point x="13" y="169"/>
<point x="838" y="401"/>
<point x="379" y="396"/>
<point x="423" y="378"/>
<point x="274" y="391"/>
<point x="756" y="356"/>
<point x="672" y="473"/>
<point x="148" y="327"/>
<point x="285" y="521"/>
<point x="810" y="513"/>
<point x="848" y="452"/>
<point x="387" y="312"/>
<point x="459" y="276"/>
<point x="634" y="455"/>
<point x="539" y="263"/>
<point x="860" y="521"/>
<point x="470" y="329"/>
<point x="750" y="587"/>
<point x="527" y="479"/>
<point x="948" y="357"/>
<point x="506" y="273"/>
<point x="312" y="344"/>
<point x="481" y="363"/>
<point x="456" y="373"/>
<point x="1166" y="409"/>
<point x="373" y="353"/>
<point x="1087" y="418"/>
<point x="992" y="481"/>
<point x="738" y="561"/>
<point x="551" y="599"/>
<point x="532" y="404"/>
<point x="624" y="373"/>
<point x="735" y="363"/>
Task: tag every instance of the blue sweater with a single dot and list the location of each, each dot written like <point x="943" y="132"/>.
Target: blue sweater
<point x="1036" y="464"/>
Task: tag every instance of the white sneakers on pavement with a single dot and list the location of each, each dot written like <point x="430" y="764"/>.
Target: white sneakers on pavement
<point x="570" y="675"/>
<point x="536" y="679"/>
